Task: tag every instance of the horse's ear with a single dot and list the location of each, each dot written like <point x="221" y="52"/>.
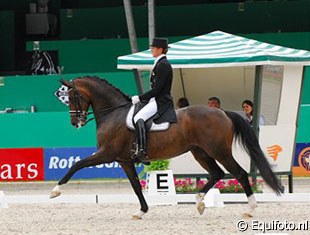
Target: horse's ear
<point x="65" y="83"/>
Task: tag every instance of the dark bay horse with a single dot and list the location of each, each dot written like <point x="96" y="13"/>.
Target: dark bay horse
<point x="207" y="132"/>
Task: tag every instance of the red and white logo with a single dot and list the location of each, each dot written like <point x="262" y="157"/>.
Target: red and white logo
<point x="21" y="164"/>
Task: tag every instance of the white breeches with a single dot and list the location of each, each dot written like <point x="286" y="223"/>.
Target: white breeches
<point x="147" y="111"/>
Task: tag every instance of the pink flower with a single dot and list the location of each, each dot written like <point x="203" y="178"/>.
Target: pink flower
<point x="143" y="184"/>
<point x="200" y="183"/>
<point x="227" y="186"/>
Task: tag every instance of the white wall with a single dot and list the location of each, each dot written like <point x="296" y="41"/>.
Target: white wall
<point x="231" y="85"/>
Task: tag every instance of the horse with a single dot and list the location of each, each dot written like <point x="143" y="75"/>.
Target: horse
<point x="207" y="132"/>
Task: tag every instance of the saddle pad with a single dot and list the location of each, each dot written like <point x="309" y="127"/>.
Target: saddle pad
<point x="155" y="127"/>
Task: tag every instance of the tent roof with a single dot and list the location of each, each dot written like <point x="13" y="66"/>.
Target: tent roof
<point x="218" y="49"/>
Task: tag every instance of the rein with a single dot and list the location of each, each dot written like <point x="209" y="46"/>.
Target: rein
<point x="81" y="115"/>
<point x="108" y="110"/>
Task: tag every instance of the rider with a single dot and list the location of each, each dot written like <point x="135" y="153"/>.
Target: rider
<point x="159" y="100"/>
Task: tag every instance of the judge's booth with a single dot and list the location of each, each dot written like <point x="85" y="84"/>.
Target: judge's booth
<point x="234" y="68"/>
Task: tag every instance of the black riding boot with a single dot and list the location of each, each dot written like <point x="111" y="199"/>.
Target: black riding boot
<point x="141" y="137"/>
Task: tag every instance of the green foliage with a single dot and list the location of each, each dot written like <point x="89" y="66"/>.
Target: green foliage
<point x="160" y="165"/>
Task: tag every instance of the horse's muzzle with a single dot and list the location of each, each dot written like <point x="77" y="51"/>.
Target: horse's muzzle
<point x="78" y="119"/>
<point x="78" y="123"/>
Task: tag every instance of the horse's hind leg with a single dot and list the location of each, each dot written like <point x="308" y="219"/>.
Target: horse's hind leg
<point x="216" y="173"/>
<point x="92" y="160"/>
<point x="132" y="175"/>
<point x="242" y="176"/>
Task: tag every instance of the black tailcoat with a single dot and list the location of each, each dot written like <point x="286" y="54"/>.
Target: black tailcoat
<point x="161" y="82"/>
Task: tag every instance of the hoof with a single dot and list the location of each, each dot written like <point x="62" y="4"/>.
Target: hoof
<point x="250" y="212"/>
<point x="199" y="203"/>
<point x="247" y="215"/>
<point x="138" y="215"/>
<point x="55" y="194"/>
<point x="201" y="207"/>
<point x="135" y="217"/>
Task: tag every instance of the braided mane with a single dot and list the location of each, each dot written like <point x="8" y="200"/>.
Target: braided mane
<point x="100" y="80"/>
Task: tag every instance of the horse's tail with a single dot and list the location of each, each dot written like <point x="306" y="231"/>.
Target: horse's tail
<point x="244" y="133"/>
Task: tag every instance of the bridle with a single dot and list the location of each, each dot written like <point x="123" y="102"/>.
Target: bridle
<point x="80" y="114"/>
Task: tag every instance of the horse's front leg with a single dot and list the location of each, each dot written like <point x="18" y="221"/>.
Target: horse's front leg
<point x="132" y="175"/>
<point x="92" y="160"/>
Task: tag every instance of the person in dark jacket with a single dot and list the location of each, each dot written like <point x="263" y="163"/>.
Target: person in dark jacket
<point x="159" y="100"/>
<point x="182" y="102"/>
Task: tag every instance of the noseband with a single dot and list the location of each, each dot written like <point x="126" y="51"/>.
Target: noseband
<point x="79" y="114"/>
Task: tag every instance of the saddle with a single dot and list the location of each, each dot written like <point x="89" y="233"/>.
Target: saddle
<point x="149" y="124"/>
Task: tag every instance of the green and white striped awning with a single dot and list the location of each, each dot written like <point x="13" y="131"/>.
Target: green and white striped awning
<point x="218" y="49"/>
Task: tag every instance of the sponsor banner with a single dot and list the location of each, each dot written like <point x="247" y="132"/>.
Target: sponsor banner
<point x="21" y="164"/>
<point x="277" y="143"/>
<point x="302" y="160"/>
<point x="57" y="162"/>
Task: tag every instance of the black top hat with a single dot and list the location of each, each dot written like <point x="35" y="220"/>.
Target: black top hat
<point x="160" y="43"/>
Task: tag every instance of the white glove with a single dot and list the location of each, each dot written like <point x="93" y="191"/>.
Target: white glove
<point x="135" y="99"/>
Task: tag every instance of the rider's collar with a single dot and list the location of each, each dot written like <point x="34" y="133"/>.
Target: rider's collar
<point x="158" y="58"/>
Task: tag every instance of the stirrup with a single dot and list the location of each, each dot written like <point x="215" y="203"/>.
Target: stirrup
<point x="137" y="157"/>
<point x="142" y="155"/>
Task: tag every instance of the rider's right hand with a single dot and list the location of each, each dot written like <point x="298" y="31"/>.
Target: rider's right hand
<point x="135" y="99"/>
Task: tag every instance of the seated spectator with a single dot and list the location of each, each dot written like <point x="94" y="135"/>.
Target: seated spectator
<point x="182" y="102"/>
<point x="214" y="102"/>
<point x="247" y="106"/>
